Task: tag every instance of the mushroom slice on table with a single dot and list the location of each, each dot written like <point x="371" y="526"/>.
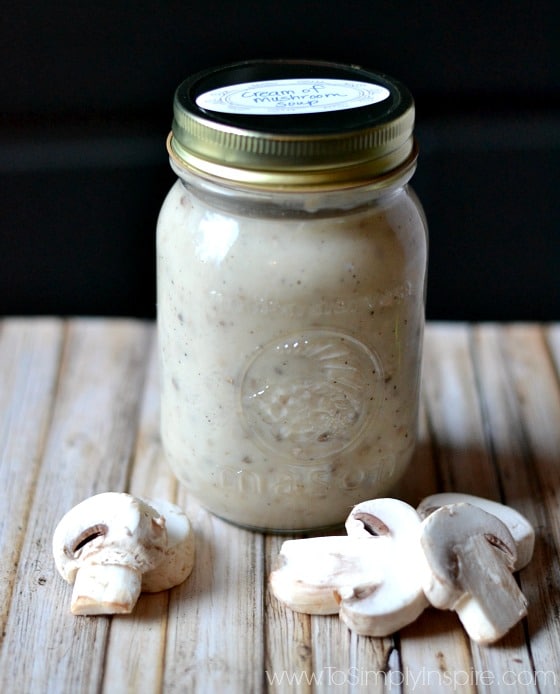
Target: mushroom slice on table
<point x="470" y="558"/>
<point x="312" y="572"/>
<point x="392" y="529"/>
<point x="108" y="543"/>
<point x="370" y="578"/>
<point x="521" y="530"/>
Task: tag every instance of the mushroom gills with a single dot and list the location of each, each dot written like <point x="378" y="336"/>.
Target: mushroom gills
<point x="88" y="536"/>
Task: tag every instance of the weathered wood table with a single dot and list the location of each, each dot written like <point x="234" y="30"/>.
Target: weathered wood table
<point x="79" y="415"/>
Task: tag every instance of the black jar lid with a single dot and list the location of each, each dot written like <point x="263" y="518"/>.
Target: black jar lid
<point x="293" y="125"/>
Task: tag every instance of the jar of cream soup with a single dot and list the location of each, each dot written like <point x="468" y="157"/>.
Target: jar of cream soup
<point x="291" y="266"/>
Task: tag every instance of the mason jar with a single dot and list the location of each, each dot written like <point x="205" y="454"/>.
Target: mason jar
<point x="291" y="270"/>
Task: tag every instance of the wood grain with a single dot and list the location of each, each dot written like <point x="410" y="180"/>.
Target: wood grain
<point x="79" y="414"/>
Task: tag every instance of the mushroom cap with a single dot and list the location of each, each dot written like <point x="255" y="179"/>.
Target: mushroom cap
<point x="397" y="600"/>
<point x="392" y="528"/>
<point x="178" y="560"/>
<point x="444" y="536"/>
<point x="521" y="530"/>
<point x="111" y="528"/>
<point x="383" y="517"/>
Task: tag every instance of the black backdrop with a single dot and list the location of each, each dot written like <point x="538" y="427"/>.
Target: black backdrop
<point x="86" y="105"/>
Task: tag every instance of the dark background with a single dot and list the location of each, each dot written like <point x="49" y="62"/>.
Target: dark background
<point x="86" y="103"/>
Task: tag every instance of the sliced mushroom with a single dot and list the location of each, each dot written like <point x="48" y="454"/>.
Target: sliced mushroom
<point x="365" y="577"/>
<point x="470" y="556"/>
<point x="312" y="572"/>
<point x="105" y="545"/>
<point x="392" y="529"/>
<point x="521" y="530"/>
<point x="381" y="518"/>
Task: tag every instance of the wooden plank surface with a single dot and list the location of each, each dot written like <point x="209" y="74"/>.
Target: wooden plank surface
<point x="79" y="414"/>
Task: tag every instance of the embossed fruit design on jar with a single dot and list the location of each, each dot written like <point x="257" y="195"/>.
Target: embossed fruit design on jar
<point x="291" y="277"/>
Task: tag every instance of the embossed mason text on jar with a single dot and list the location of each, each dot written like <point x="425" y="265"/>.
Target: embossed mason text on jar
<point x="291" y="277"/>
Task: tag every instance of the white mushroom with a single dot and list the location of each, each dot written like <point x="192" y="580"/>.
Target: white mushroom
<point x="391" y="530"/>
<point x="521" y="530"/>
<point x="104" y="546"/>
<point x="470" y="556"/>
<point x="178" y="559"/>
<point x="366" y="577"/>
<point x="311" y="573"/>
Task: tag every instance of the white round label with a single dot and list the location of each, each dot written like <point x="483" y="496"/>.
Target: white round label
<point x="291" y="96"/>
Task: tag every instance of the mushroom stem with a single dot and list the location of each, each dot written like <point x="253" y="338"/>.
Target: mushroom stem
<point x="493" y="602"/>
<point x="105" y="589"/>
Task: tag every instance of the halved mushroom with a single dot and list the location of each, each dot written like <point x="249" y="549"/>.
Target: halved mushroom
<point x="470" y="558"/>
<point x="107" y="543"/>
<point x="365" y="577"/>
<point x="521" y="530"/>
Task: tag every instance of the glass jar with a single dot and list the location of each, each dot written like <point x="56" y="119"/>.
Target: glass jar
<point x="291" y="279"/>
